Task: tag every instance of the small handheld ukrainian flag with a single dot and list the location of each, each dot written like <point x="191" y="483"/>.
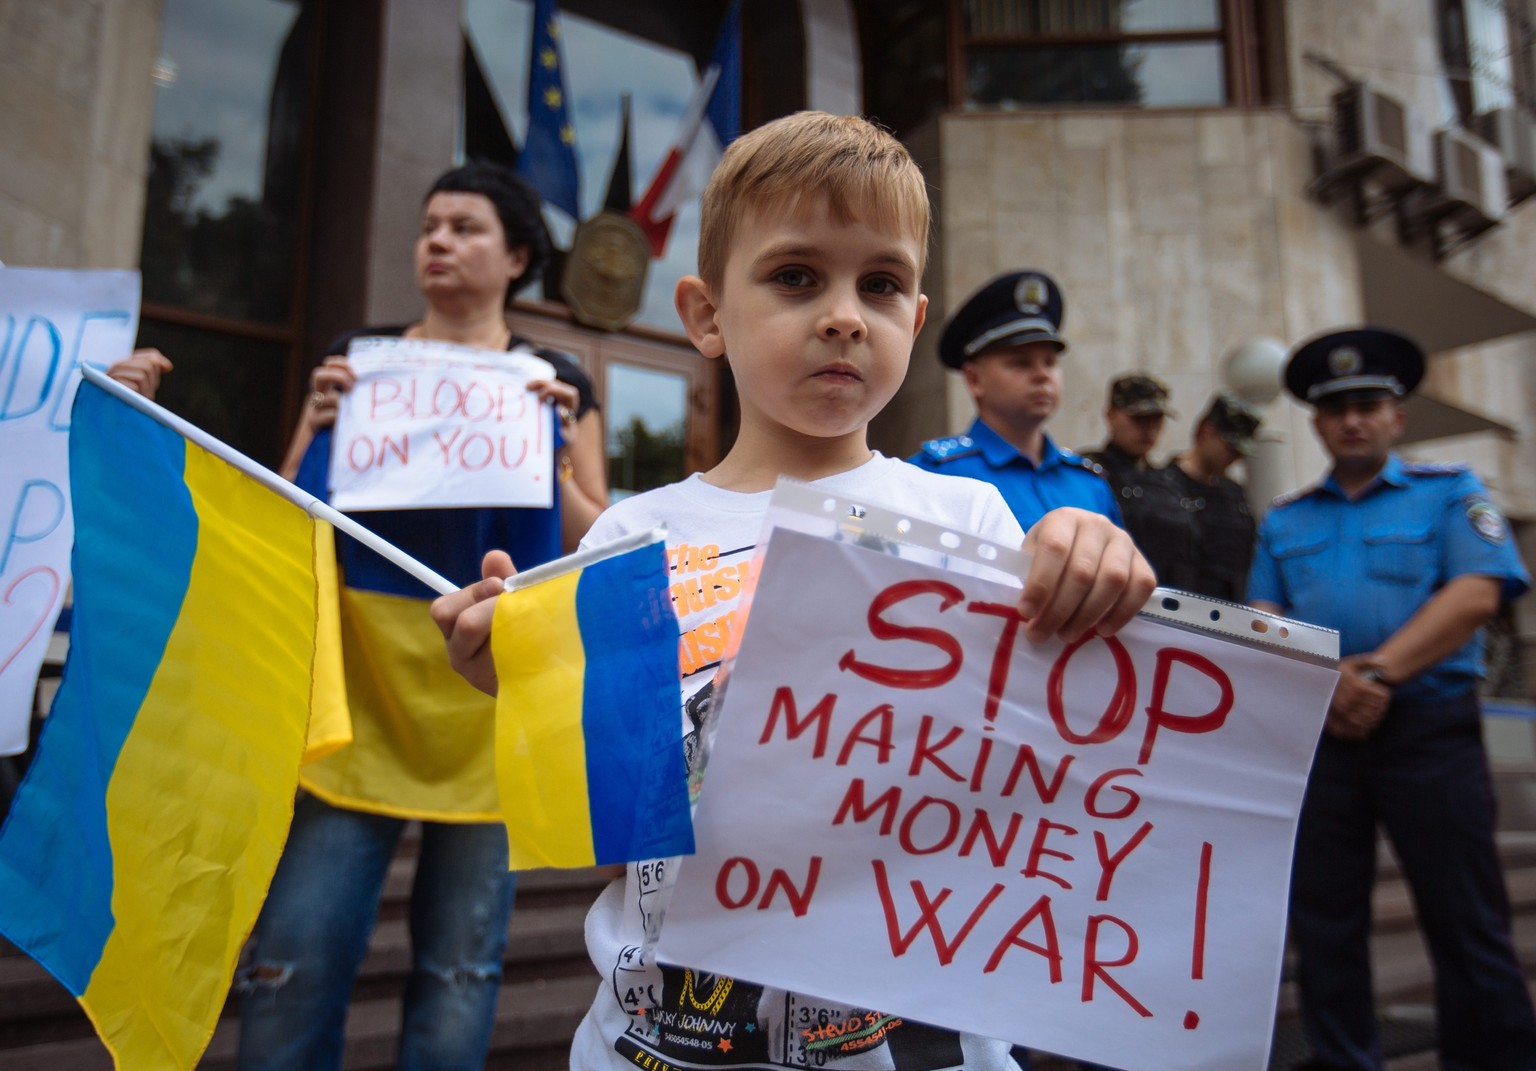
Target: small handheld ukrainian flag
<point x="589" y="741"/>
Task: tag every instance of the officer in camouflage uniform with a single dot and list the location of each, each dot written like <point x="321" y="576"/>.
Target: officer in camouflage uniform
<point x="1150" y="505"/>
<point x="1215" y="561"/>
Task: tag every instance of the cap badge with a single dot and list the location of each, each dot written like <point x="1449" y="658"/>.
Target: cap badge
<point x="1030" y="295"/>
<point x="1345" y="361"/>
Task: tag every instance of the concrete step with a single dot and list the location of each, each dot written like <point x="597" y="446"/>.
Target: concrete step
<point x="544" y="942"/>
<point x="550" y="983"/>
<point x="532" y="1018"/>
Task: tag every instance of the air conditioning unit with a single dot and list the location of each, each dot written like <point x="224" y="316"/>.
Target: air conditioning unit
<point x="1471" y="174"/>
<point x="1513" y="133"/>
<point x="1378" y="136"/>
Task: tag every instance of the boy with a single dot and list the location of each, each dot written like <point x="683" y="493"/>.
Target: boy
<point x="811" y="250"/>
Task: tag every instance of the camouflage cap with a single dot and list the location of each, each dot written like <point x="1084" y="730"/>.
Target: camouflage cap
<point x="1139" y="395"/>
<point x="1234" y="420"/>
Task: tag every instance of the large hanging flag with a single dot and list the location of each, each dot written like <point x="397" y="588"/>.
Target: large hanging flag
<point x="141" y="844"/>
<point x="712" y="121"/>
<point x="548" y="158"/>
<point x="589" y="744"/>
<point x="619" y="195"/>
<point x="419" y="740"/>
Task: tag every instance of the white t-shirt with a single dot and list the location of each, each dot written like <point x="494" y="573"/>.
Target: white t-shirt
<point x="649" y="1014"/>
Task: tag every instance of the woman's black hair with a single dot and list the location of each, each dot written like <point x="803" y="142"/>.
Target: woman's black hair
<point x="517" y="204"/>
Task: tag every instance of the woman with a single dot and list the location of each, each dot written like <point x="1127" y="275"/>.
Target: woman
<point x="419" y="748"/>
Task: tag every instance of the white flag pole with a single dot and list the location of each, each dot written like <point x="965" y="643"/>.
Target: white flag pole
<point x="272" y="481"/>
<point x="580" y="559"/>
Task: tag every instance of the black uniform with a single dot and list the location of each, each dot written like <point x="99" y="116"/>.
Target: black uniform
<point x="1151" y="507"/>
<point x="1214" y="560"/>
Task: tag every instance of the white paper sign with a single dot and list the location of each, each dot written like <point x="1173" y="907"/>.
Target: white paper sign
<point x="49" y="322"/>
<point x="434" y="424"/>
<point x="912" y="808"/>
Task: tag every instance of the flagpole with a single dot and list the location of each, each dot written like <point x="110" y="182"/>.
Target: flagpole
<point x="582" y="558"/>
<point x="272" y="481"/>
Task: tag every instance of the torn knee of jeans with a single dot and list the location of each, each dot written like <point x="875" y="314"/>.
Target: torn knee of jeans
<point x="263" y="976"/>
<point x="464" y="974"/>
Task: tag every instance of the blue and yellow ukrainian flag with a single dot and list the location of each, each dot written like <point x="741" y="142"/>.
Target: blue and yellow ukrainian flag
<point x="143" y="840"/>
<point x="589" y="742"/>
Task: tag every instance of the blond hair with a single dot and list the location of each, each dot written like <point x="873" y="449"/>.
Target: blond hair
<point x="863" y="171"/>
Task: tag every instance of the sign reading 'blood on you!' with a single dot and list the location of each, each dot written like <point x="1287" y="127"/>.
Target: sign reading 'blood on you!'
<point x="431" y="424"/>
<point x="913" y="809"/>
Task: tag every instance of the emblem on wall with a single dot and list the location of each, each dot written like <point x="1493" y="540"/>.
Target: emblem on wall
<point x="604" y="278"/>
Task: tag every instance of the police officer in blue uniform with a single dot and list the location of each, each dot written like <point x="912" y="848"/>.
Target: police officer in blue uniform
<point x="1407" y="561"/>
<point x="1006" y="341"/>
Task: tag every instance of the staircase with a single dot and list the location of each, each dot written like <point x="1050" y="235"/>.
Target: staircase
<point x="1404" y="993"/>
<point x="550" y="982"/>
<point x="549" y="985"/>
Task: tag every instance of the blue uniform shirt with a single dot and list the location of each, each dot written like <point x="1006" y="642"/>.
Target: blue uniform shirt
<point x="1061" y="479"/>
<point x="1365" y="566"/>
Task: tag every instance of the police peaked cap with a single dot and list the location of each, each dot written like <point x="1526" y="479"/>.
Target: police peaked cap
<point x="1372" y="360"/>
<point x="1019" y="307"/>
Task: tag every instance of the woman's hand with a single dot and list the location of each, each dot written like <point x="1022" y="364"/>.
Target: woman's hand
<point x="564" y="397"/>
<point x="141" y="371"/>
<point x="327" y="382"/>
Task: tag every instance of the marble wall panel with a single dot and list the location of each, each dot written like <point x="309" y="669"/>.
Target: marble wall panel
<point x="78" y="101"/>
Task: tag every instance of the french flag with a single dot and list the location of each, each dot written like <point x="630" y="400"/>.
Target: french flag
<point x="712" y="121"/>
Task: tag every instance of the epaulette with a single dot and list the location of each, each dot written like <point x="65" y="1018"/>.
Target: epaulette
<point x="1077" y="460"/>
<point x="950" y="447"/>
<point x="1435" y="468"/>
<point x="1293" y="496"/>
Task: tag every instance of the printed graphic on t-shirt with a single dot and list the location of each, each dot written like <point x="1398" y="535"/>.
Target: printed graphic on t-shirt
<point x="710" y="1020"/>
<point x="706" y="585"/>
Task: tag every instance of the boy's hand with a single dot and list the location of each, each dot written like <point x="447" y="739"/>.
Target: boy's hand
<point x="464" y="618"/>
<point x="1087" y="575"/>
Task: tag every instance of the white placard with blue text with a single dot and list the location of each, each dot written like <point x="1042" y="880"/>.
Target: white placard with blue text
<point x="50" y="321"/>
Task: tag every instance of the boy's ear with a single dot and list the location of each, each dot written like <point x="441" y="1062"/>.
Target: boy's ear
<point x="697" y="309"/>
<point x="922" y="314"/>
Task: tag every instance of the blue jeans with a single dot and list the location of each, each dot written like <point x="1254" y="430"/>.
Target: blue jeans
<point x="313" y="934"/>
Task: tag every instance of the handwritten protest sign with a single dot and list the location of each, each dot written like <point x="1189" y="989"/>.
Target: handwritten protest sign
<point x="49" y="322"/>
<point x="910" y="807"/>
<point x="434" y="424"/>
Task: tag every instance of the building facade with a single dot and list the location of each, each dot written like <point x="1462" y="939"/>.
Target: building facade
<point x="1200" y="175"/>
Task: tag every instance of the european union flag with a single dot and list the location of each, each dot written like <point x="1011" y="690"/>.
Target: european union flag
<point x="548" y="159"/>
